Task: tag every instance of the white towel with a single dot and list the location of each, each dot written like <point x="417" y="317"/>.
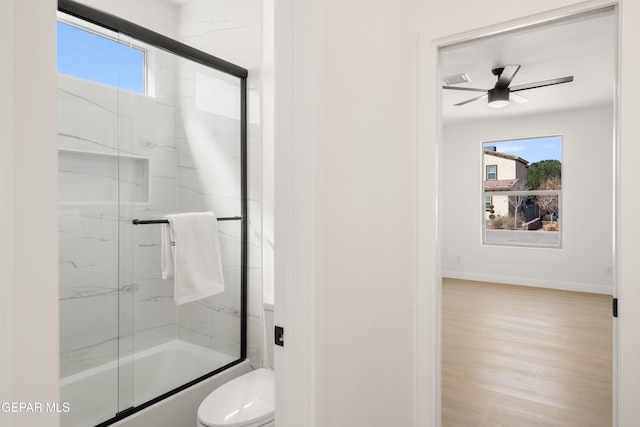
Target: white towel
<point x="166" y="257"/>
<point x="191" y="255"/>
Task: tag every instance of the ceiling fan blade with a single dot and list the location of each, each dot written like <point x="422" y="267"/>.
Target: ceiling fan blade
<point x="519" y="99"/>
<point x="543" y="83"/>
<point x="507" y="75"/>
<point x="471" y="89"/>
<point x="470" y="100"/>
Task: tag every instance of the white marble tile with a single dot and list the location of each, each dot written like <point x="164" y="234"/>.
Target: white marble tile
<point x="254" y="312"/>
<point x="220" y="184"/>
<point x="211" y="325"/>
<point x="162" y="75"/>
<point x="157" y="15"/>
<point x="228" y="29"/>
<point x="214" y="322"/>
<point x="101" y="178"/>
<point x="231" y="30"/>
<point x="100" y="283"/>
<point x="87" y="116"/>
<point x="88" y="333"/>
<point x="195" y="123"/>
<point x="156" y="127"/>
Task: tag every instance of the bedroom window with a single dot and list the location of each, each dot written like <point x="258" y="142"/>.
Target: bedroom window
<point x="522" y="207"/>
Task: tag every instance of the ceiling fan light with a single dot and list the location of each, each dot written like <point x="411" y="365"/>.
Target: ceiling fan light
<point x="498" y="98"/>
<point x="501" y="103"/>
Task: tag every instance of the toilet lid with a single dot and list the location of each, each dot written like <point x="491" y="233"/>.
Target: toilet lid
<point x="243" y="401"/>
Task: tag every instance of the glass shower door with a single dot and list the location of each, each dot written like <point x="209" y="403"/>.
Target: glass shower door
<point x="132" y="189"/>
<point x="191" y="133"/>
<point x="88" y="153"/>
<point x="148" y="134"/>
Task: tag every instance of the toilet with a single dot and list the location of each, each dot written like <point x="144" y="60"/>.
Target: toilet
<point x="246" y="401"/>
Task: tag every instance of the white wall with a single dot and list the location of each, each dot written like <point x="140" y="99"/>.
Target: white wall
<point x="29" y="247"/>
<point x="586" y="211"/>
<point x="365" y="212"/>
<point x="345" y="204"/>
<point x="628" y="267"/>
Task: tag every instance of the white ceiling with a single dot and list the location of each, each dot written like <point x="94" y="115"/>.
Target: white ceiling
<point x="581" y="47"/>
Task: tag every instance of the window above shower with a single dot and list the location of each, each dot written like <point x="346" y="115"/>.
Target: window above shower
<point x="96" y="54"/>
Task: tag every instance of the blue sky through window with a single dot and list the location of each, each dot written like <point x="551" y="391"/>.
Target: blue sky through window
<point x="533" y="149"/>
<point x="92" y="57"/>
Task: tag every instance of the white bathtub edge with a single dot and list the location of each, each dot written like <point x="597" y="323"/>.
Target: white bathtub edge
<point x="181" y="409"/>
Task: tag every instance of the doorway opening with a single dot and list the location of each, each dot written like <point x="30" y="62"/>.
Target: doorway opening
<point x="579" y="266"/>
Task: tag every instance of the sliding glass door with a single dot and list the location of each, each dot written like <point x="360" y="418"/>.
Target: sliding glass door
<point x="143" y="133"/>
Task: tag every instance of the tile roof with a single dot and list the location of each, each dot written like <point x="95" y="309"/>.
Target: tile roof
<point x="500" y="184"/>
<point x="506" y="156"/>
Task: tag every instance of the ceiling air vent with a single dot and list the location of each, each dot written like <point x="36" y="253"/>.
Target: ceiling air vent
<point x="455" y="79"/>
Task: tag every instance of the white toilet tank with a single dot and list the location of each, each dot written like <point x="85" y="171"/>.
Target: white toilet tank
<point x="268" y="329"/>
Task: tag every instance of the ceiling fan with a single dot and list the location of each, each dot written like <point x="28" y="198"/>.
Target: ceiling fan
<point x="500" y="94"/>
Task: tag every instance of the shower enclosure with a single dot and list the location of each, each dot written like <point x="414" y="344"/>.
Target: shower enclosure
<point x="155" y="128"/>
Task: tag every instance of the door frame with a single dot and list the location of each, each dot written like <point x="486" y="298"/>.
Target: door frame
<point x="428" y="292"/>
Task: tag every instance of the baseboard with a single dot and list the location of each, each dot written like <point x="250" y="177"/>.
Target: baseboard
<point x="526" y="281"/>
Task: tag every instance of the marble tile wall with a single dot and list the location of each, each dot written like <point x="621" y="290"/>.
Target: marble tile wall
<point x="151" y="157"/>
<point x="231" y="30"/>
<point x="117" y="160"/>
<point x="88" y="232"/>
<point x="209" y="179"/>
<point x="156" y="15"/>
<point x="172" y="132"/>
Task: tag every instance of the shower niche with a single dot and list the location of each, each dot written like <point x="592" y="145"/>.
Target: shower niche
<point x="86" y="177"/>
<point x="176" y="145"/>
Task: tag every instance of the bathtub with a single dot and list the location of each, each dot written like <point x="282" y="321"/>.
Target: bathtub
<point x="92" y="395"/>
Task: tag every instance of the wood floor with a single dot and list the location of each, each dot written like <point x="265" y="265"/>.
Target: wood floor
<point x="519" y="356"/>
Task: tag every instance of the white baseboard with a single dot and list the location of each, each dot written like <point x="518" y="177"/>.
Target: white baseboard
<point x="525" y="281"/>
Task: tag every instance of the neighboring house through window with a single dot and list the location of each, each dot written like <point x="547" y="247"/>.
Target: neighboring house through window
<point x="513" y="170"/>
<point x="511" y="203"/>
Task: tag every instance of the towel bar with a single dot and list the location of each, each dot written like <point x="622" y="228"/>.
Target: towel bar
<point x="164" y="221"/>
